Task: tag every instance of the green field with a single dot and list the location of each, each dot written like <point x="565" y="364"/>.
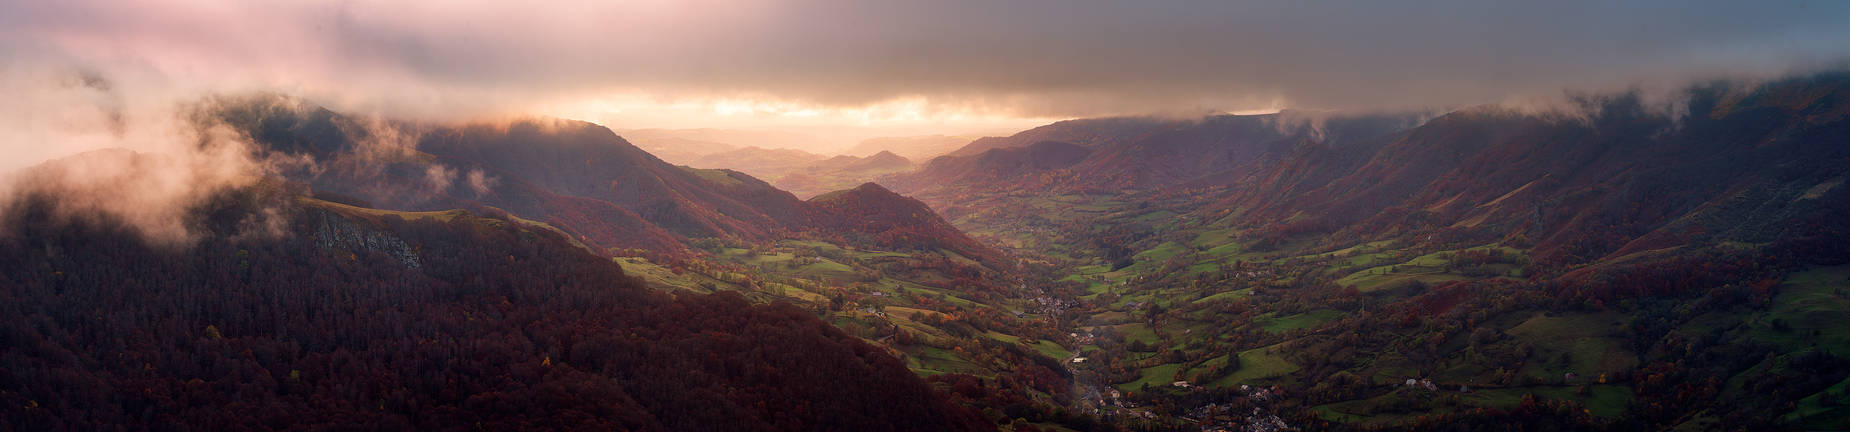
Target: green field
<point x="1257" y="364"/>
<point x="1813" y="306"/>
<point x="1227" y="296"/>
<point x="1300" y="321"/>
<point x="1157" y="377"/>
<point x="1429" y="268"/>
<point x="1592" y="343"/>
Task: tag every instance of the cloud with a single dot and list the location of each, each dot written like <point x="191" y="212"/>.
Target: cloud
<point x="480" y="182"/>
<point x="440" y="177"/>
<point x="122" y="148"/>
<point x="1019" y="58"/>
<point x="84" y="75"/>
<point x="151" y="193"/>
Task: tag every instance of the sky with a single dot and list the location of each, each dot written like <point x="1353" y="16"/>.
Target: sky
<point x="862" y="68"/>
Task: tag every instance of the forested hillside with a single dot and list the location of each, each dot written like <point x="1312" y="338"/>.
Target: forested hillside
<point x="361" y="318"/>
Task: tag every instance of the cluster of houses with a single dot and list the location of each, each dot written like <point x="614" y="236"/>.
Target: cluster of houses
<point x="1429" y="386"/>
<point x="1423" y="383"/>
<point x="1221" y="418"/>
<point x="1261" y="422"/>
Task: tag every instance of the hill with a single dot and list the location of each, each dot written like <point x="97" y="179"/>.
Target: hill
<point x="576" y="176"/>
<point x="759" y="162"/>
<point x="841" y="172"/>
<point x="348" y="317"/>
<point x="999" y="164"/>
<point x="895" y="222"/>
<point x="1619" y="263"/>
<point x="913" y="147"/>
<point x="1082" y="132"/>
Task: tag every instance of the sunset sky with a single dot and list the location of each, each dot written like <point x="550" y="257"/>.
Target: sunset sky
<point x="873" y="68"/>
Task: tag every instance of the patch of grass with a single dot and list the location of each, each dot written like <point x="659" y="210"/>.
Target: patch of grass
<point x="1227" y="296"/>
<point x="824" y="268"/>
<point x="760" y="259"/>
<point x="1052" y="350"/>
<point x="1136" y="332"/>
<point x="1365" y="281"/>
<point x="1161" y="252"/>
<point x="1428" y="268"/>
<point x="1589" y="341"/>
<point x="1157" y="377"/>
<point x="1815" y="415"/>
<point x="1393" y="408"/>
<point x="928" y="361"/>
<point x="1224" y="251"/>
<point x="658" y="276"/>
<point x="714" y="176"/>
<point x="794" y="292"/>
<point x="1300" y="321"/>
<point x="1329" y="412"/>
<point x="1213" y="238"/>
<point x="992" y="334"/>
<point x="1256" y="364"/>
<point x="1110" y="318"/>
<point x="1155" y="216"/>
<point x="1809" y="308"/>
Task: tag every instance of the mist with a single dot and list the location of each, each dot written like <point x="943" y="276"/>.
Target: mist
<point x="82" y="76"/>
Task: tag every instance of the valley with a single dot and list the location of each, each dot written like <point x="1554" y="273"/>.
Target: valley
<point x="1327" y="277"/>
<point x="1379" y="271"/>
<point x="1195" y="296"/>
<point x="1014" y="216"/>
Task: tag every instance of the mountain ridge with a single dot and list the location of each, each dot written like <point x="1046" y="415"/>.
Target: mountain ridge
<point x="578" y="176"/>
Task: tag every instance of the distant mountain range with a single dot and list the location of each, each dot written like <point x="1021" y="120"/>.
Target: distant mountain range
<point x="914" y="147"/>
<point x="1736" y="163"/>
<point x="840" y="172"/>
<point x="577" y="176"/>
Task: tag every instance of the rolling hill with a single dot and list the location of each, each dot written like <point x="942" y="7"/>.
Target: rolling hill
<point x="348" y="317"/>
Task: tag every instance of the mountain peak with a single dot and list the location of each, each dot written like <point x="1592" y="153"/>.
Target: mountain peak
<point x="871" y="187"/>
<point x="865" y="191"/>
<point x="893" y="220"/>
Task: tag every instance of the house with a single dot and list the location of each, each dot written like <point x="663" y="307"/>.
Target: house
<point x="1182" y="384"/>
<point x="1079" y="359"/>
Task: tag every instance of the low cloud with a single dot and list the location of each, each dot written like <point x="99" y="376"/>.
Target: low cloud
<point x="441" y="178"/>
<point x="87" y="75"/>
<point x="98" y="147"/>
<point x="149" y="192"/>
<point x="480" y="182"/>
